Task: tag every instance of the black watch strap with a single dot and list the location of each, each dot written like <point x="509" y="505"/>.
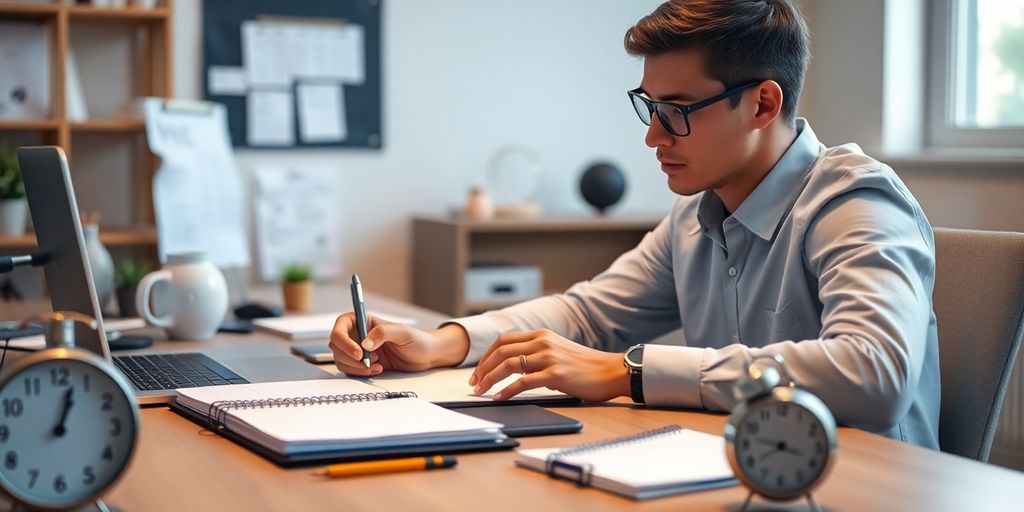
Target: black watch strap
<point x="636" y="377"/>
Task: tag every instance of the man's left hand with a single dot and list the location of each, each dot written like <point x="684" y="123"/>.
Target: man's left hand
<point x="550" y="361"/>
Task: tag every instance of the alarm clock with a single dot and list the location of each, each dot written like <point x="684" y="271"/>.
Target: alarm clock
<point x="780" y="440"/>
<point x="68" y="423"/>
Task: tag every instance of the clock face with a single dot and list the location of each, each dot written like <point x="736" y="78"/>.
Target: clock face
<point x="781" y="448"/>
<point x="67" y="430"/>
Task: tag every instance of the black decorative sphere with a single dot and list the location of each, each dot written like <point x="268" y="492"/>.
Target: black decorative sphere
<point x="602" y="185"/>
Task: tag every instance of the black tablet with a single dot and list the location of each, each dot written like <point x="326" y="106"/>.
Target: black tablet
<point x="525" y="420"/>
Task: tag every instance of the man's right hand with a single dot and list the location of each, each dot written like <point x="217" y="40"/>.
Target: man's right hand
<point x="395" y="346"/>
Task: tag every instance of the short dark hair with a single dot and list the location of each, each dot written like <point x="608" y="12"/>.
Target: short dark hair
<point x="741" y="41"/>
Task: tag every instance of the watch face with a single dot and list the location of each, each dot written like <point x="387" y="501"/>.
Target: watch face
<point x="781" y="448"/>
<point x="67" y="430"/>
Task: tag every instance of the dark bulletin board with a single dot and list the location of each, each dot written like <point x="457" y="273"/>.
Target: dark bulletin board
<point x="222" y="46"/>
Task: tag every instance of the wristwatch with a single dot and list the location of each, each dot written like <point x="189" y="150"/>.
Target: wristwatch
<point x="633" y="360"/>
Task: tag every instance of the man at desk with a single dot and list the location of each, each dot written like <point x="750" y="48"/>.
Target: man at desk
<point x="776" y="245"/>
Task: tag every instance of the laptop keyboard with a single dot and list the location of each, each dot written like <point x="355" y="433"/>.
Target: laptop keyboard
<point x="172" y="371"/>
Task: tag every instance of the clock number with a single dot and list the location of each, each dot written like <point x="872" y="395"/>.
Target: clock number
<point x="115" y="426"/>
<point x="59" y="484"/>
<point x="812" y="431"/>
<point x="5" y="433"/>
<point x="108" y="454"/>
<point x="782" y="410"/>
<point x="13" y="407"/>
<point x="753" y="427"/>
<point x="88" y="476"/>
<point x="107" y="400"/>
<point x="85" y="382"/>
<point x="764" y="473"/>
<point x="11" y="460"/>
<point x="799" y="476"/>
<point x="32" y="386"/>
<point x="33" y="475"/>
<point x="765" y="414"/>
<point x="819" y="447"/>
<point x="59" y="376"/>
<point x="780" y="481"/>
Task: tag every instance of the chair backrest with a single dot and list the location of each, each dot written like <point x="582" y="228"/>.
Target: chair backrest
<point x="979" y="306"/>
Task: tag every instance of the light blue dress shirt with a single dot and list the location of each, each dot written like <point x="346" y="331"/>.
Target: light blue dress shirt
<point x="829" y="262"/>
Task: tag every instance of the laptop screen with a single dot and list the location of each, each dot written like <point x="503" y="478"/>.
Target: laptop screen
<point x="51" y="201"/>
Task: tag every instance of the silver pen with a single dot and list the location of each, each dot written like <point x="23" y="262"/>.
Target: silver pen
<point x="360" y="310"/>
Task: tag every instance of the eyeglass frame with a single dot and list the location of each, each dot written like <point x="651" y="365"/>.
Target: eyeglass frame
<point x="685" y="110"/>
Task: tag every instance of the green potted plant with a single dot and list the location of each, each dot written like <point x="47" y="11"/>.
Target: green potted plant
<point x="297" y="287"/>
<point x="13" y="206"/>
<point x="127" y="277"/>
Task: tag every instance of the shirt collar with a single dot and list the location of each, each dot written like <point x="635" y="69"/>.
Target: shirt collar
<point x="764" y="208"/>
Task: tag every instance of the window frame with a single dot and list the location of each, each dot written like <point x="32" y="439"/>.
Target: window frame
<point x="939" y="131"/>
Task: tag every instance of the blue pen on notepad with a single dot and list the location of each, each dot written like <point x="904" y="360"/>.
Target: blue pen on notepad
<point x="360" y="311"/>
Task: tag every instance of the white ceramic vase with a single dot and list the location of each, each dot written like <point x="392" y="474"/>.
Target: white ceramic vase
<point x="13" y="216"/>
<point x="193" y="292"/>
<point x="101" y="264"/>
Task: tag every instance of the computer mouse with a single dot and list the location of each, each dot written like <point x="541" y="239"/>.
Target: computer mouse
<point x="249" y="310"/>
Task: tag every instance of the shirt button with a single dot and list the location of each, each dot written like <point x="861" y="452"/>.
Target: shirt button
<point x="732" y="272"/>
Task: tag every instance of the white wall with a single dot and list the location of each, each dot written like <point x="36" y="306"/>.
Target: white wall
<point x="462" y="79"/>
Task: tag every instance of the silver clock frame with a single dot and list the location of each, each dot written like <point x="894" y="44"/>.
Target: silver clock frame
<point x="771" y="393"/>
<point x="82" y="356"/>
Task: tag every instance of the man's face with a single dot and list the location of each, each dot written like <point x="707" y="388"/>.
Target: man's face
<point x="712" y="156"/>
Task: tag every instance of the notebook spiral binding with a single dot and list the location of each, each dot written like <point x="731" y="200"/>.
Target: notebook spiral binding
<point x="558" y="468"/>
<point x="217" y="413"/>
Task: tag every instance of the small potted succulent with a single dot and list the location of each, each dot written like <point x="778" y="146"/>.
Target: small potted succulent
<point x="13" y="205"/>
<point x="297" y="287"/>
<point x="127" y="277"/>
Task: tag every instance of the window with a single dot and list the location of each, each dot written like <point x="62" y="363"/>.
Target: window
<point x="976" y="91"/>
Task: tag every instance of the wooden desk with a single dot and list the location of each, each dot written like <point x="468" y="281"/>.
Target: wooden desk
<point x="178" y="466"/>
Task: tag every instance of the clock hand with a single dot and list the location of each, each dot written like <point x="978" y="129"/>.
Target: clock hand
<point x="59" y="430"/>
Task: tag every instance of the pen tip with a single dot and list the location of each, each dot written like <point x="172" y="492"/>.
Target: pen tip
<point x="355" y="279"/>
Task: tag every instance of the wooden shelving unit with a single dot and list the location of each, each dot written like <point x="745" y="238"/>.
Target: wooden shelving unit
<point x="148" y="32"/>
<point x="567" y="250"/>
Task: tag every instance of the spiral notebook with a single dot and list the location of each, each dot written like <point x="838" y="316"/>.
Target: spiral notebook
<point x="669" y="460"/>
<point x="318" y="421"/>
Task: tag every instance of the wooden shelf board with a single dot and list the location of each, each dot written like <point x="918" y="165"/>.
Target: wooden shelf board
<point x="126" y="14"/>
<point x="127" y="124"/>
<point x="28" y="124"/>
<point x="28" y="10"/>
<point x="547" y="224"/>
<point x="114" y="237"/>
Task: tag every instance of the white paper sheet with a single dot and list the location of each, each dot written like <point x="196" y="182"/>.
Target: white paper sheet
<point x="265" y="54"/>
<point x="297" y="220"/>
<point x="321" y="113"/>
<point x="227" y="80"/>
<point x="270" y="118"/>
<point x="275" y="52"/>
<point x="197" y="191"/>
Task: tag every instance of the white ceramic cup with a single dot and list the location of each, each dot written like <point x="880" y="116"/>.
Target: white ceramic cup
<point x="191" y="290"/>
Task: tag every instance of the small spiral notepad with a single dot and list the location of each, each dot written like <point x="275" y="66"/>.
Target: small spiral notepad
<point x="331" y="416"/>
<point x="650" y="464"/>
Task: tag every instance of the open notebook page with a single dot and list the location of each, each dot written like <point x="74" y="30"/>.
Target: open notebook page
<point x="335" y="426"/>
<point x="450" y="385"/>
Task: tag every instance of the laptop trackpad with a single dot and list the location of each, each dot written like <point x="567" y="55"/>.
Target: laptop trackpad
<point x="274" y="369"/>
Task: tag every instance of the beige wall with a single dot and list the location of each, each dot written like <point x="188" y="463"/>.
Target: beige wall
<point x="845" y="89"/>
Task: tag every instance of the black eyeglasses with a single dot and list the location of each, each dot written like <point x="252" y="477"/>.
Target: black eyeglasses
<point x="675" y="117"/>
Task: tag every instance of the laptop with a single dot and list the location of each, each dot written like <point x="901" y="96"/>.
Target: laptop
<point x="154" y="375"/>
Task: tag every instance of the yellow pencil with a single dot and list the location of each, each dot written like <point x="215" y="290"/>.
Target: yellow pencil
<point x="387" y="466"/>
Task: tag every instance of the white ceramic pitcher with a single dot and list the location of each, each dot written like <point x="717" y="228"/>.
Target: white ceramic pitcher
<point x="194" y="294"/>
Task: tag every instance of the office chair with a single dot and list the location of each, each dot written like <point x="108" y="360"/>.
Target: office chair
<point x="979" y="305"/>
